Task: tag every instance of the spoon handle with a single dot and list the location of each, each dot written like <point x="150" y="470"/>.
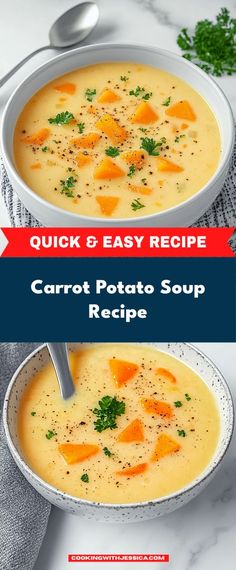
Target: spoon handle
<point x="59" y="355"/>
<point x="14" y="69"/>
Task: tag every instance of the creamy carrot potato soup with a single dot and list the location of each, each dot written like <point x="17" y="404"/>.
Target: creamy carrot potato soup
<point x="116" y="140"/>
<point x="141" y="425"/>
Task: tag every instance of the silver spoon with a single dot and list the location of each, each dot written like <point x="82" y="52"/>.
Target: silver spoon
<point x="70" y="29"/>
<point x="59" y="355"/>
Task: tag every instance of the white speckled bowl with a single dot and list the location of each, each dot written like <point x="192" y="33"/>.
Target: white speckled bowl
<point x="183" y="214"/>
<point x="122" y="512"/>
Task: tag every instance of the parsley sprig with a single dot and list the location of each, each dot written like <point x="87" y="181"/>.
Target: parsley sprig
<point x="132" y="171"/>
<point x="140" y="91"/>
<point x="112" y="151"/>
<point x="107" y="412"/>
<point x="81" y="127"/>
<point x="137" y="205"/>
<point x="67" y="185"/>
<point x="50" y="433"/>
<point x="90" y="94"/>
<point x="178" y="404"/>
<point x="107" y="452"/>
<point x="85" y="478"/>
<point x="63" y="118"/>
<point x="152" y="146"/>
<point x="181" y="432"/>
<point x="166" y="102"/>
<point x="212" y="45"/>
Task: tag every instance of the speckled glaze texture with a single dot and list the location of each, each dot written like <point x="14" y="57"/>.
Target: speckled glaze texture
<point x="136" y="511"/>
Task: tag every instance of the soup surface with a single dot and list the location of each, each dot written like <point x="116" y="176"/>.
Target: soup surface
<point x="141" y="425"/>
<point x="116" y="140"/>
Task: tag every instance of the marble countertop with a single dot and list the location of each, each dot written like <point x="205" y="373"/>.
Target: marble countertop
<point x="24" y="25"/>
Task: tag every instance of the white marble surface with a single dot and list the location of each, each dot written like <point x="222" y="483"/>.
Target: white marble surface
<point x="24" y="25"/>
<point x="200" y="536"/>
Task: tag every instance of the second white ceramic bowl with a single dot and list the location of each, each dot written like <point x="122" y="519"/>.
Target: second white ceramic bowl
<point x="121" y="512"/>
<point x="185" y="213"/>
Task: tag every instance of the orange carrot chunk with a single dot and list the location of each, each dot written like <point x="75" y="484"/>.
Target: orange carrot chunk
<point x="108" y="96"/>
<point x="37" y="138"/>
<point x="122" y="371"/>
<point x="132" y="471"/>
<point x="181" y="110"/>
<point x="166" y="374"/>
<point x="107" y="204"/>
<point x="76" y="452"/>
<point x="156" y="407"/>
<point x="164" y="165"/>
<point x="133" y="432"/>
<point x="144" y="190"/>
<point x="110" y="127"/>
<point x="107" y="169"/>
<point x="144" y="114"/>
<point x="86" y="141"/>
<point x="66" y="88"/>
<point x="92" y="110"/>
<point x="83" y="159"/>
<point x="135" y="157"/>
<point x="164" y="446"/>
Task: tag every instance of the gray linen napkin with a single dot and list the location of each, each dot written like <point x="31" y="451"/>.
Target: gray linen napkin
<point x="221" y="214"/>
<point x="23" y="512"/>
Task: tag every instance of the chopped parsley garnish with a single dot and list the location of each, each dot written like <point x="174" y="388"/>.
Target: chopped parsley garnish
<point x="178" y="404"/>
<point x="137" y="205"/>
<point x="85" y="478"/>
<point x="107" y="452"/>
<point x="132" y="170"/>
<point x="81" y="127"/>
<point x="124" y="78"/>
<point x="151" y="146"/>
<point x="143" y="129"/>
<point x="45" y="148"/>
<point x="143" y="180"/>
<point x="67" y="185"/>
<point x="188" y="398"/>
<point x="107" y="413"/>
<point x="166" y="102"/>
<point x="63" y="118"/>
<point x="177" y="139"/>
<point x="89" y="94"/>
<point x="147" y="96"/>
<point x="50" y="433"/>
<point x="33" y="413"/>
<point x="112" y="151"/>
<point x="138" y="91"/>
<point x="212" y="44"/>
<point x="181" y="432"/>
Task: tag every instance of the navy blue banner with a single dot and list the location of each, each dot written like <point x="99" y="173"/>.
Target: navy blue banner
<point x="70" y="299"/>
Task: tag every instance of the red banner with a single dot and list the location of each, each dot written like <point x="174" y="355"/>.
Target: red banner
<point x="115" y="242"/>
<point x="118" y="558"/>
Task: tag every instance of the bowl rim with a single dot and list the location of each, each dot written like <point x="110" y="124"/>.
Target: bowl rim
<point x="209" y="470"/>
<point x="106" y="46"/>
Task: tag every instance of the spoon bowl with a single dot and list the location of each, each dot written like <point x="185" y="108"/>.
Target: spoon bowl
<point x="59" y="355"/>
<point x="74" y="25"/>
<point x="69" y="29"/>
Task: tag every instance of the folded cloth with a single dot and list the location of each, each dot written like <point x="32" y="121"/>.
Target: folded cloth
<point x="23" y="512"/>
<point x="221" y="214"/>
